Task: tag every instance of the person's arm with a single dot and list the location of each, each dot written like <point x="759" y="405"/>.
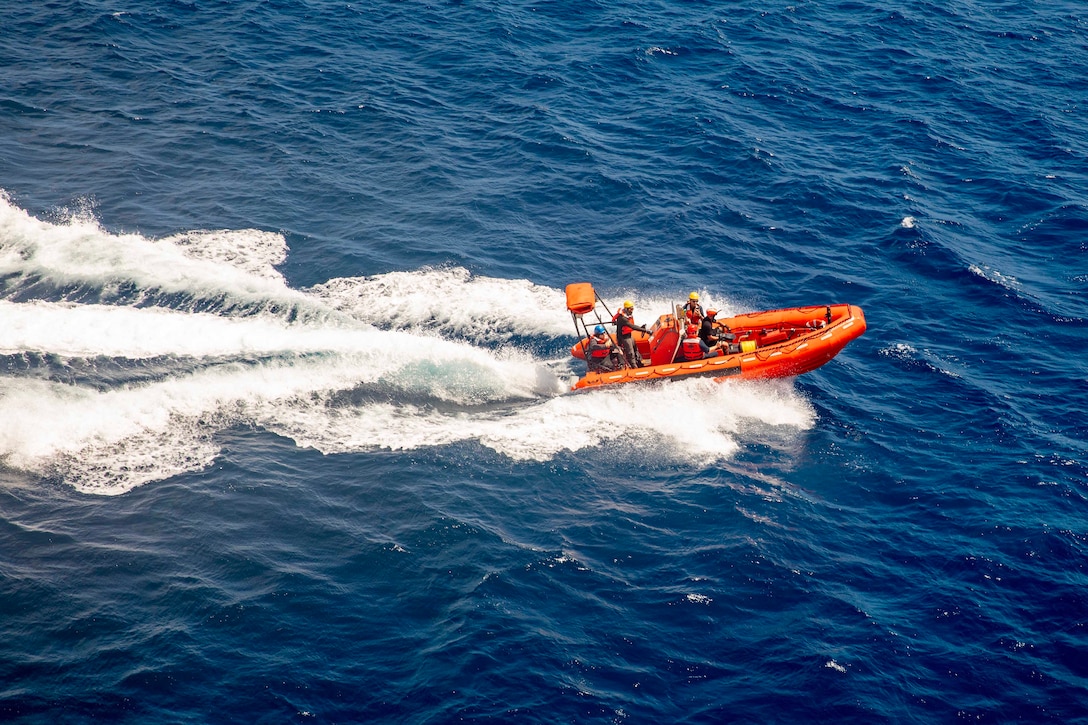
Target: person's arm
<point x="626" y="321"/>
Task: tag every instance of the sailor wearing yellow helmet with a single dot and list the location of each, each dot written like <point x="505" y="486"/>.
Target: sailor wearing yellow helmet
<point x="624" y="320"/>
<point x="693" y="310"/>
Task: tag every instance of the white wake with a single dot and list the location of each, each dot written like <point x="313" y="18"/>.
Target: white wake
<point x="198" y="332"/>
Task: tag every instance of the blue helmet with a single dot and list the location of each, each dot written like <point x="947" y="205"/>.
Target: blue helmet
<point x="599" y="329"/>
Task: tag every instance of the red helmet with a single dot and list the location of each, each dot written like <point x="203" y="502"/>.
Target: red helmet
<point x="692" y="330"/>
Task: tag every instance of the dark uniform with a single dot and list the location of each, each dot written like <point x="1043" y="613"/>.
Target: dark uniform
<point x="708" y="333"/>
<point x="600" y="357"/>
<point x="712" y="334"/>
<point x="625" y="324"/>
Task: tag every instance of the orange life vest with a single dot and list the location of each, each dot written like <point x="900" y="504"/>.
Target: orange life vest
<point x="624" y="331"/>
<point x="691" y="349"/>
<point x="599" y="347"/>
<point x="693" y="313"/>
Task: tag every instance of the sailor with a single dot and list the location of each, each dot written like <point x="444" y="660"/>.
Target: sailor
<point x="600" y="355"/>
<point x="624" y="320"/>
<point x="713" y="333"/>
<point x="693" y="310"/>
<point x="708" y="333"/>
<point x="691" y="347"/>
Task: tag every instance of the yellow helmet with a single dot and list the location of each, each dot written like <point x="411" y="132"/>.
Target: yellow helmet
<point x="693" y="296"/>
<point x="628" y="305"/>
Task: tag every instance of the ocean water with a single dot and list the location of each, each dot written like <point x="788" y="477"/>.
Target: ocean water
<point x="283" y="360"/>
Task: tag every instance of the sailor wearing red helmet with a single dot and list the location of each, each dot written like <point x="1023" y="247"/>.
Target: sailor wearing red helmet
<point x="708" y="333"/>
<point x="713" y="332"/>
<point x="691" y="347"/>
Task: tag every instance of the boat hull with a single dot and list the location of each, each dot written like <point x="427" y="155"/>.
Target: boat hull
<point x="778" y="343"/>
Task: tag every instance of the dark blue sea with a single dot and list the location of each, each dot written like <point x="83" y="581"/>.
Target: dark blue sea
<point x="284" y="360"/>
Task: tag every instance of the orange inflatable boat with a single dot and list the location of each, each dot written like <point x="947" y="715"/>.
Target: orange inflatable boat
<point x="772" y="344"/>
